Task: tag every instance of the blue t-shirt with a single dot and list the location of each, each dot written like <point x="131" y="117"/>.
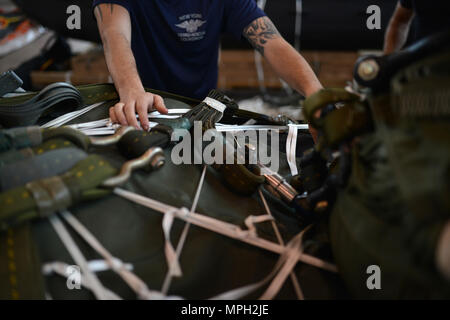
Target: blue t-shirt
<point x="176" y="42"/>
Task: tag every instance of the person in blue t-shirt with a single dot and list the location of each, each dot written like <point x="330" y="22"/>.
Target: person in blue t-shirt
<point x="427" y="18"/>
<point x="173" y="45"/>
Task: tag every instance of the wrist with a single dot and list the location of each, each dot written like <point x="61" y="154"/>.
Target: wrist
<point x="128" y="91"/>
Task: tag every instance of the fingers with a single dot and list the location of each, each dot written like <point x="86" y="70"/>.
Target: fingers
<point x="112" y="115"/>
<point x="118" y="114"/>
<point x="125" y="113"/>
<point x="130" y="114"/>
<point x="158" y="104"/>
<point x="121" y="113"/>
<point x="142" y="107"/>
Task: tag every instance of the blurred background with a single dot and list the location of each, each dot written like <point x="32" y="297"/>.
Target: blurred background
<point x="331" y="35"/>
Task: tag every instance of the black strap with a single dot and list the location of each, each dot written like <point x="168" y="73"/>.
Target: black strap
<point x="9" y="82"/>
<point x="16" y="112"/>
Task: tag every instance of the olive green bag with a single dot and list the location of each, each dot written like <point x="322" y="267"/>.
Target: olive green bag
<point x="394" y="211"/>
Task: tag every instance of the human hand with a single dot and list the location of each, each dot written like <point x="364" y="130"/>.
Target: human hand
<point x="136" y="101"/>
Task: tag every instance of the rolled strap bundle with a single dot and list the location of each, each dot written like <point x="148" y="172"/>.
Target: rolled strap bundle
<point x="211" y="110"/>
<point x="43" y="197"/>
<point x="16" y="112"/>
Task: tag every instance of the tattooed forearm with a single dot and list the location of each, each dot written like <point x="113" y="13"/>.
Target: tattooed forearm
<point x="259" y="32"/>
<point x="99" y="12"/>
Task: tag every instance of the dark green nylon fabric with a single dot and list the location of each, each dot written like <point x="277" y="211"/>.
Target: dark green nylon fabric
<point x="82" y="181"/>
<point x="344" y="123"/>
<point x="20" y="271"/>
<point x="396" y="203"/>
<point x="19" y="138"/>
<point x="46" y="165"/>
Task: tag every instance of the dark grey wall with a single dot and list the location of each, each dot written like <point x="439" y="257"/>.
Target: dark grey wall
<point x="326" y="24"/>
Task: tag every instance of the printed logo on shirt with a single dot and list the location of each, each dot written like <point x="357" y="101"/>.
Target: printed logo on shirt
<point x="191" y="23"/>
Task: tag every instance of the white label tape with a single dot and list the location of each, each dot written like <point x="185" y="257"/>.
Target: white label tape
<point x="213" y="103"/>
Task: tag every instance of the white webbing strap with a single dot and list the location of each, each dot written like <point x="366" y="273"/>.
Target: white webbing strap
<point x="55" y="123"/>
<point x="220" y="227"/>
<point x="291" y="148"/>
<point x="169" y="275"/>
<point x="61" y="268"/>
<point x="92" y="124"/>
<point x="171" y="114"/>
<point x="93" y="282"/>
<point x="135" y="283"/>
<point x="250" y="222"/>
<point x="295" y="283"/>
<point x="232" y="127"/>
<point x="213" y="103"/>
<point x="290" y="253"/>
<point x="171" y="255"/>
<point x="293" y="252"/>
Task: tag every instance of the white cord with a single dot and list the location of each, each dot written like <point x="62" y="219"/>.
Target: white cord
<point x="291" y="148"/>
<point x="224" y="228"/>
<point x="55" y="123"/>
<point x="232" y="127"/>
<point x="169" y="275"/>
<point x="295" y="283"/>
<point x="94" y="283"/>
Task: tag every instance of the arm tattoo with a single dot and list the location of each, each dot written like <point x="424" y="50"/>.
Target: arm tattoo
<point x="259" y="32"/>
<point x="100" y="13"/>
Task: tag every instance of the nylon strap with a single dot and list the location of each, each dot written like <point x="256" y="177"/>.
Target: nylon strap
<point x="20" y="274"/>
<point x="95" y="284"/>
<point x="18" y="138"/>
<point x="83" y="181"/>
<point x="135" y="283"/>
<point x="291" y="148"/>
<point x="224" y="228"/>
<point x="26" y="110"/>
<point x="41" y="166"/>
<point x="63" y="269"/>
<point x="213" y="103"/>
<point x="50" y="195"/>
